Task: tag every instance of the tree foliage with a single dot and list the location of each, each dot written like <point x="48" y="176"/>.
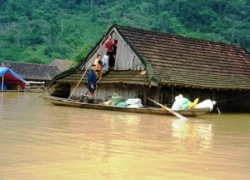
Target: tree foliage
<point x="39" y="31"/>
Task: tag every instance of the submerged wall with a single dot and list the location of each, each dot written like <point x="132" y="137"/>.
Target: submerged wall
<point x="105" y="91"/>
<point x="227" y="101"/>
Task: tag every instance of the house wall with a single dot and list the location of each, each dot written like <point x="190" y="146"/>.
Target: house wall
<point x="105" y="91"/>
<point x="14" y="87"/>
<point x="125" y="58"/>
<point x="227" y="101"/>
<point x="81" y="89"/>
<point x="60" y="90"/>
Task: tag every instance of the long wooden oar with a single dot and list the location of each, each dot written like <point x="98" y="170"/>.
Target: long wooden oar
<point x="170" y="110"/>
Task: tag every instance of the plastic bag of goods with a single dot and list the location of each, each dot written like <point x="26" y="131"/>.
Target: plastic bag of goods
<point x="107" y="103"/>
<point x="135" y="106"/>
<point x="193" y="104"/>
<point x="179" y="100"/>
<point x="116" y="99"/>
<point x="206" y="104"/>
<point x="133" y="101"/>
<point x="122" y="104"/>
<point x="185" y="104"/>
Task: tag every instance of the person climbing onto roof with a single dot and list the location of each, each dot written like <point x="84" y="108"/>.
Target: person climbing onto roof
<point x="92" y="83"/>
<point x="105" y="63"/>
<point x="98" y="64"/>
<point x="109" y="48"/>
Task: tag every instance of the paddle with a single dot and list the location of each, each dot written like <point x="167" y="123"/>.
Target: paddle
<point x="170" y="110"/>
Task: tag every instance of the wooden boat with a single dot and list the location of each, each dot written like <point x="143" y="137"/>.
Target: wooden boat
<point x="146" y="110"/>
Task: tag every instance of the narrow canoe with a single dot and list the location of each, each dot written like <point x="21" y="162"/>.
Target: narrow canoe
<point x="145" y="110"/>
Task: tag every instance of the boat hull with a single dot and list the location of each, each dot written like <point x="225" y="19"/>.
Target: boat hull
<point x="147" y="110"/>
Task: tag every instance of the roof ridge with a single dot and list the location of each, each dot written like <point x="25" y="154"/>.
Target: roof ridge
<point x="178" y="36"/>
<point x="15" y="62"/>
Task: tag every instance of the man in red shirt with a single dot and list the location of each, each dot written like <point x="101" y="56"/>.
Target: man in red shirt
<point x="109" y="44"/>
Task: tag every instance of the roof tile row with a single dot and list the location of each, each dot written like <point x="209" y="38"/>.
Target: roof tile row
<point x="187" y="61"/>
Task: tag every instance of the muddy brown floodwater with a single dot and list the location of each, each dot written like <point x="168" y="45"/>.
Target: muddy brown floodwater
<point x="42" y="141"/>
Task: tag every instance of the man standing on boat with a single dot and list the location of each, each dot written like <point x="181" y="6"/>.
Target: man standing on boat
<point x="92" y="83"/>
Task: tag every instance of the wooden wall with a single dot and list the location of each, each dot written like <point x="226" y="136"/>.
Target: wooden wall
<point x="125" y="58"/>
<point x="227" y="101"/>
<point x="81" y="89"/>
<point x="105" y="91"/>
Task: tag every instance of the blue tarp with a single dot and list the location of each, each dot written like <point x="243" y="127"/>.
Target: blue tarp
<point x="4" y="87"/>
<point x="11" y="76"/>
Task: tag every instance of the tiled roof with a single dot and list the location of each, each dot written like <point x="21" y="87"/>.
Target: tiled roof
<point x="61" y="64"/>
<point x="32" y="71"/>
<point x="189" y="62"/>
<point x="114" y="77"/>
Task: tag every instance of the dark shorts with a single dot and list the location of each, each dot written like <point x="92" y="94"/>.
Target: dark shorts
<point x="91" y="89"/>
<point x="110" y="53"/>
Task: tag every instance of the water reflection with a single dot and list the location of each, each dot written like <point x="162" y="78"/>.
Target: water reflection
<point x="180" y="129"/>
<point x="42" y="141"/>
<point x="196" y="135"/>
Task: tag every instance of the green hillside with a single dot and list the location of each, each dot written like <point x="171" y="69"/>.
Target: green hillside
<point x="39" y="31"/>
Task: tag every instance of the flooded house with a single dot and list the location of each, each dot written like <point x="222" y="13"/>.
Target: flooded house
<point x="33" y="71"/>
<point x="62" y="65"/>
<point x="11" y="81"/>
<point x="37" y="75"/>
<point x="161" y="66"/>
